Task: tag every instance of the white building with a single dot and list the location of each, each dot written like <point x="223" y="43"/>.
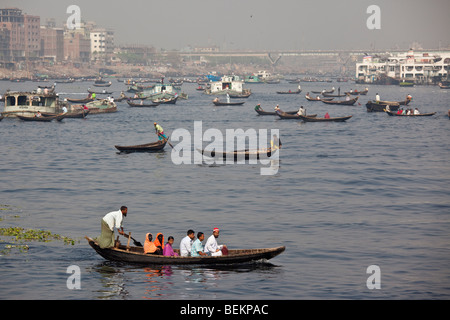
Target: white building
<point x="102" y="42"/>
<point x="417" y="67"/>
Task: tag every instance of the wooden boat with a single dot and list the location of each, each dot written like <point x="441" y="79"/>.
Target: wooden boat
<point x="284" y="115"/>
<point x="330" y="95"/>
<point x="342" y="102"/>
<point x="171" y="100"/>
<point x="290" y="92"/>
<point x="77" y="114"/>
<point x="261" y="112"/>
<point x="238" y="154"/>
<point x="103" y="92"/>
<point x="133" y="254"/>
<point x="443" y="86"/>
<point x="84" y="100"/>
<point x="1" y="118"/>
<point x="402" y="103"/>
<point x="219" y="103"/>
<point x="323" y="91"/>
<point x="143" y="105"/>
<point x="41" y="118"/>
<point x="394" y="114"/>
<point x="106" y="84"/>
<point x="241" y="95"/>
<point x="355" y="93"/>
<point x="148" y="147"/>
<point x="315" y="119"/>
<point x="372" y="106"/>
<point x="309" y="98"/>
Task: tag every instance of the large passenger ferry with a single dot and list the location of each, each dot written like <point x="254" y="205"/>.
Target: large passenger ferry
<point x="29" y="103"/>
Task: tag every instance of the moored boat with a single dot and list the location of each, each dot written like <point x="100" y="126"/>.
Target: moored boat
<point x="133" y="254"/>
<point x="84" y="100"/>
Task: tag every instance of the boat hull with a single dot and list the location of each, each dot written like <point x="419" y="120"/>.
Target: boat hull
<point x="136" y="255"/>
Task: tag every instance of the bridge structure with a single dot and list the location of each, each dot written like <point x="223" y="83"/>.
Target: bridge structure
<point x="275" y="56"/>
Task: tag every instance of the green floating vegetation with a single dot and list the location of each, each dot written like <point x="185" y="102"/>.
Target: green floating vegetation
<point x="22" y="234"/>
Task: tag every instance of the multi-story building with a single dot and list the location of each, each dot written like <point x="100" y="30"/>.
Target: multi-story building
<point x="415" y="67"/>
<point x="77" y="48"/>
<point x="19" y="35"/>
<point x="52" y="43"/>
<point x="102" y="42"/>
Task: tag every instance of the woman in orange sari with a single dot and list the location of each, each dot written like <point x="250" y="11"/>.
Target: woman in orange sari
<point x="149" y="245"/>
<point x="159" y="243"/>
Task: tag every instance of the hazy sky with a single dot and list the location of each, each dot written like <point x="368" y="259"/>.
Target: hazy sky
<point x="258" y="24"/>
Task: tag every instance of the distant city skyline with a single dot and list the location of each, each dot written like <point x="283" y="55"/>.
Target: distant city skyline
<point x="259" y="24"/>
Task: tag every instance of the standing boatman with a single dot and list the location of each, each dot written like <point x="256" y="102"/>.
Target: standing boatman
<point x="109" y="221"/>
<point x="159" y="131"/>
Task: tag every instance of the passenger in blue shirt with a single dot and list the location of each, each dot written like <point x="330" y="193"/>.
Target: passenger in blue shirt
<point x="197" y="247"/>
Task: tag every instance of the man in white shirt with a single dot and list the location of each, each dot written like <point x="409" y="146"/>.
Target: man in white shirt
<point x="109" y="221"/>
<point x="211" y="245"/>
<point x="301" y="111"/>
<point x="186" y="243"/>
<point x="416" y="111"/>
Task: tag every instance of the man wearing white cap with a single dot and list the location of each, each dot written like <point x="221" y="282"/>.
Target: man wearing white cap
<point x="211" y="245"/>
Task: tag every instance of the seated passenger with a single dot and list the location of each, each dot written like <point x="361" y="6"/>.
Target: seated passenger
<point x="197" y="247"/>
<point x="159" y="243"/>
<point x="149" y="246"/>
<point x="168" y="250"/>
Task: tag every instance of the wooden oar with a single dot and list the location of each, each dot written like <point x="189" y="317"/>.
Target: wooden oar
<point x="136" y="243"/>
<point x="159" y="135"/>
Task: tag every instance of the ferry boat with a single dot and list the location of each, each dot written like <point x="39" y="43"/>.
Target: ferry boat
<point x="232" y="85"/>
<point x="410" y="67"/>
<point x="161" y="91"/>
<point x="29" y="103"/>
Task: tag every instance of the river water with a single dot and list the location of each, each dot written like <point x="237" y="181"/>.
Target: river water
<point x="372" y="191"/>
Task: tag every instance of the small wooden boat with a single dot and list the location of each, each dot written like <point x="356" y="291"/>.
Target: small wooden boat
<point x="261" y="112"/>
<point x="102" y="92"/>
<point x="133" y="254"/>
<point x="330" y="95"/>
<point x="42" y="118"/>
<point x="148" y="147"/>
<point x="240" y="95"/>
<point x="341" y="102"/>
<point x="443" y="86"/>
<point x="143" y="104"/>
<point x="238" y="154"/>
<point x="372" y="106"/>
<point x="315" y="119"/>
<point x="106" y="84"/>
<point x="401" y="103"/>
<point x="219" y="103"/>
<point x="394" y="114"/>
<point x="171" y="100"/>
<point x="309" y="98"/>
<point x="77" y="114"/>
<point x="284" y="115"/>
<point x="323" y="91"/>
<point x="290" y="92"/>
<point x="355" y="93"/>
<point x="84" y="100"/>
